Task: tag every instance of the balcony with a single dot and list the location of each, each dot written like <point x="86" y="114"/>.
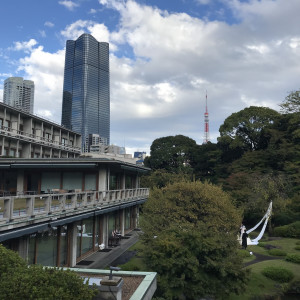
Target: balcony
<point x="24" y="209"/>
<point x="31" y="138"/>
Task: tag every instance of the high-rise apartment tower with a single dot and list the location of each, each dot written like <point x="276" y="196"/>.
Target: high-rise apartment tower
<point x="19" y="93"/>
<point x="86" y="91"/>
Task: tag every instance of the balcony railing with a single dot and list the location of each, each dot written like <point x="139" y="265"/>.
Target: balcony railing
<point x="24" y="207"/>
<point x="32" y="138"/>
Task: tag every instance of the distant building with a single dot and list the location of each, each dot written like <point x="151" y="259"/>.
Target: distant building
<point x="23" y="135"/>
<point x="19" y="93"/>
<point x="140" y="156"/>
<point x="86" y="91"/>
<point x="93" y="140"/>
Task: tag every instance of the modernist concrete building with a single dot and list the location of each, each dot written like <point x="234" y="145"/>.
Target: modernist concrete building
<point x="55" y="212"/>
<point x="24" y="135"/>
<point x="86" y="91"/>
<point x="19" y="93"/>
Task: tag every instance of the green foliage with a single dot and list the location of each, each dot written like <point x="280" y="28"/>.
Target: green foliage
<point x="244" y="253"/>
<point x="277" y="252"/>
<point x="297" y="248"/>
<point x="161" y="178"/>
<point x="19" y="281"/>
<point x="172" y="153"/>
<point x="293" y="257"/>
<point x="291" y="103"/>
<point x="278" y="274"/>
<point x="242" y="130"/>
<point x="190" y="240"/>
<point x="292" y="230"/>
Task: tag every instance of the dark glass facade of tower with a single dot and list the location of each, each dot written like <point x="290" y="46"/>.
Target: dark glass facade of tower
<point x="86" y="91"/>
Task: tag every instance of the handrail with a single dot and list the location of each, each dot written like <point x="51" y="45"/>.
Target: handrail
<point x="43" y="205"/>
<point x="8" y="131"/>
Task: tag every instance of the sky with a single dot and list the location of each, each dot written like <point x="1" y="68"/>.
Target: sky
<point x="165" y="56"/>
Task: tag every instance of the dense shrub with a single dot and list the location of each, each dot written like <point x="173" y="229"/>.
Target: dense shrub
<point x="277" y="252"/>
<point x="261" y="244"/>
<point x="297" y="248"/>
<point x="292" y="230"/>
<point x="19" y="281"/>
<point x="244" y="253"/>
<point x="298" y="243"/>
<point x="278" y="274"/>
<point x="295" y="258"/>
<point x="294" y="288"/>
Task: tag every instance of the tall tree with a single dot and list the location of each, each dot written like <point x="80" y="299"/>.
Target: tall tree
<point x="291" y="103"/>
<point x="172" y="153"/>
<point x="242" y="130"/>
<point x="190" y="240"/>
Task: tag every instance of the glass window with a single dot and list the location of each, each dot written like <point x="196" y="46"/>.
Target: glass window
<point x="47" y="247"/>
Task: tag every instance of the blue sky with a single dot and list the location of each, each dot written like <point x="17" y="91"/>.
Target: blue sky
<point x="164" y="55"/>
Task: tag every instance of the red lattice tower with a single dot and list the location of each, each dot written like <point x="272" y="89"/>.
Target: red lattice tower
<point x="206" y="124"/>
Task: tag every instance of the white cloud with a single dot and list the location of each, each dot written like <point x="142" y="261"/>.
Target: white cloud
<point x="70" y="5"/>
<point x="159" y="88"/>
<point x="25" y="46"/>
<point x="42" y="33"/>
<point x="46" y="70"/>
<point x="203" y="2"/>
<point x="92" y="11"/>
<point x="49" y="24"/>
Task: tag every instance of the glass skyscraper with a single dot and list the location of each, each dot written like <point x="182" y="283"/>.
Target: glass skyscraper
<point x="86" y="91"/>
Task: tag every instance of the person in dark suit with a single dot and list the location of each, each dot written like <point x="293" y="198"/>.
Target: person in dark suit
<point x="244" y="239"/>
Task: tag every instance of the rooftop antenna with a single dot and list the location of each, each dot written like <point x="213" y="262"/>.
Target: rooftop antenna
<point x="206" y="123"/>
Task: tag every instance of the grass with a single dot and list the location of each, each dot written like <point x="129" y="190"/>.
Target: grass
<point x="285" y="244"/>
<point x="261" y="287"/>
<point x="136" y="263"/>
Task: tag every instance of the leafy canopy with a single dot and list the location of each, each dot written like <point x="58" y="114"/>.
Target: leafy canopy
<point x="190" y="240"/>
<point x="243" y="129"/>
<point x="19" y="281"/>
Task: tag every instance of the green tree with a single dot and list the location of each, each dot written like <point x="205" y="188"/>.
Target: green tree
<point x="190" y="231"/>
<point x="161" y="178"/>
<point x="172" y="153"/>
<point x="19" y="281"/>
<point x="242" y="131"/>
<point x="291" y="103"/>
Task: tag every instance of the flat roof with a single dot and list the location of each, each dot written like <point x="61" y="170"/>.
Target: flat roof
<point x="73" y="163"/>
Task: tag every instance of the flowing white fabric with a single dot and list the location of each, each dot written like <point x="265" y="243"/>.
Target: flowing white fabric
<point x="266" y="218"/>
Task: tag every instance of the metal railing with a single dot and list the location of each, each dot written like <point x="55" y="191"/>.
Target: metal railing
<point x="23" y="206"/>
<point x="8" y="131"/>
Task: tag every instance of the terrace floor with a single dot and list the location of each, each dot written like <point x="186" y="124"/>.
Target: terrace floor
<point x="104" y="258"/>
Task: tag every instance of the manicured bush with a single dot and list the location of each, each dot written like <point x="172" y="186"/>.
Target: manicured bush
<point x="261" y="244"/>
<point x="19" y="281"/>
<point x="278" y="274"/>
<point x="292" y="230"/>
<point x="294" y="258"/>
<point x="297" y="248"/>
<point x="298" y="243"/>
<point x="277" y="252"/>
<point x="244" y="253"/>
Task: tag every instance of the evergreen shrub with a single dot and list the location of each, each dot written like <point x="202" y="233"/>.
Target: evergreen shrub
<point x="277" y="252"/>
<point x="293" y="257"/>
<point x="292" y="230"/>
<point x="278" y="274"/>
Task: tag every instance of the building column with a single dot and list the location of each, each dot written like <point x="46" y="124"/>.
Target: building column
<point x="3" y="142"/>
<point x="23" y="247"/>
<point x="73" y="244"/>
<point x="122" y="229"/>
<point x="102" y="180"/>
<point x="20" y="181"/>
<point x="105" y="230"/>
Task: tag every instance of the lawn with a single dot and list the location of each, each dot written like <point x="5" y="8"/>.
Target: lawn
<point x="259" y="285"/>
